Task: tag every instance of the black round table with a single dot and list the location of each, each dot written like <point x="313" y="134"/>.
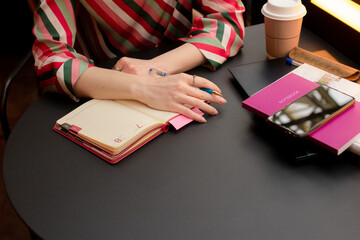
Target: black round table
<point x="225" y="179"/>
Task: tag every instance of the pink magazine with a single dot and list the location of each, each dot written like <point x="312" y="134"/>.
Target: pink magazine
<point x="336" y="136"/>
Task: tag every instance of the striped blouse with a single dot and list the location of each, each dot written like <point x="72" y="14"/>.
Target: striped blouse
<point x="102" y="29"/>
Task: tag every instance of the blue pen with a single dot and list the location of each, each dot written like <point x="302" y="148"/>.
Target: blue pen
<point x="161" y="73"/>
<point x="158" y="72"/>
<point x="210" y="91"/>
<point x="293" y="62"/>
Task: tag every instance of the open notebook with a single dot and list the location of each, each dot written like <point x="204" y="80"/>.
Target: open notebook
<point x="113" y="129"/>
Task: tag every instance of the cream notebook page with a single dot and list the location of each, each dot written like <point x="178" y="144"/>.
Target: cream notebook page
<point x="115" y="124"/>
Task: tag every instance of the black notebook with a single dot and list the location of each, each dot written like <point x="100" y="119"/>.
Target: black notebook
<point x="255" y="76"/>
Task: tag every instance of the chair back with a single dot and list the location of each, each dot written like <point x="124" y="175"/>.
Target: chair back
<point x="33" y="4"/>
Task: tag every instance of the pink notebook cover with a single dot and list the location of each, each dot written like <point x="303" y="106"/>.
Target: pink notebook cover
<point x="336" y="136"/>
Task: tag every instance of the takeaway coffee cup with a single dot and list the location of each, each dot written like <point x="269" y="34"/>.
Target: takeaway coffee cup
<point x="283" y="20"/>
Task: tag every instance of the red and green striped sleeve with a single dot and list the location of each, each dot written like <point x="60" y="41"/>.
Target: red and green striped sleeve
<point x="104" y="29"/>
<point x="57" y="64"/>
<point x="219" y="34"/>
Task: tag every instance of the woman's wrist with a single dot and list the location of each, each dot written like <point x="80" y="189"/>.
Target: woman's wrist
<point x="180" y="59"/>
<point x="104" y="83"/>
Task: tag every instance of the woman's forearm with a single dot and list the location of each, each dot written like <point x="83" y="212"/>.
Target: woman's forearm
<point x="180" y="59"/>
<point x="103" y="83"/>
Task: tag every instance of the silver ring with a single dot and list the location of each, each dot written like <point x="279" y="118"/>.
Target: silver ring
<point x="194" y="76"/>
<point x="116" y="68"/>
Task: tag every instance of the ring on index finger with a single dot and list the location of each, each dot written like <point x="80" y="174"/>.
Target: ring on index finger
<point x="116" y="68"/>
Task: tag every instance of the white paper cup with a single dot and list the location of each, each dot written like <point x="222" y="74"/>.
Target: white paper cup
<point x="283" y="21"/>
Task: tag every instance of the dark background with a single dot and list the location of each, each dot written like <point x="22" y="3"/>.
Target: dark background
<point x="16" y="21"/>
<point x="16" y="40"/>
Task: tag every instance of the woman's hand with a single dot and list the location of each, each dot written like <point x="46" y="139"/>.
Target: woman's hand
<point x="176" y="93"/>
<point x="173" y="93"/>
<point x="135" y="66"/>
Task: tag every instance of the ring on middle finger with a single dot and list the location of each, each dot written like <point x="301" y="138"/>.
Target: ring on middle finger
<point x="193" y="83"/>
